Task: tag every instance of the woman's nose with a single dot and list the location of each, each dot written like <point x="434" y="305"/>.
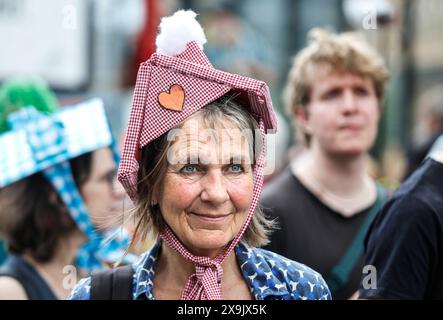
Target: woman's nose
<point x="214" y="188"/>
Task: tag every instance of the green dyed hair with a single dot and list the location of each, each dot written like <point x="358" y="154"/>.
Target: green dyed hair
<point x="22" y="92"/>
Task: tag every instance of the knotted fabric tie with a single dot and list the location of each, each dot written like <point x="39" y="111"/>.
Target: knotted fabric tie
<point x="204" y="284"/>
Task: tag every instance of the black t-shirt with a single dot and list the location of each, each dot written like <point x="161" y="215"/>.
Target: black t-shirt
<point x="311" y="232"/>
<point x="405" y="243"/>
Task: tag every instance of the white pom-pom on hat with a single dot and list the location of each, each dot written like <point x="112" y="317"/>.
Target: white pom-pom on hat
<point x="177" y="31"/>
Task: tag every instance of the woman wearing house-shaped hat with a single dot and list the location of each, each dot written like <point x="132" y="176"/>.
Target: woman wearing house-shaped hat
<point x="56" y="179"/>
<point x="193" y="165"/>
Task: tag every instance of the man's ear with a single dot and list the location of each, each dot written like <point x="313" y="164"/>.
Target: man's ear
<point x="301" y="115"/>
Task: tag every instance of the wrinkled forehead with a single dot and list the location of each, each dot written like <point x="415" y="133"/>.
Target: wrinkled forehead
<point x="222" y="141"/>
<point x="199" y="124"/>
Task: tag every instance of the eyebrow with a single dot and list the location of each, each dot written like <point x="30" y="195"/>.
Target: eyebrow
<point x="194" y="159"/>
<point x="331" y="89"/>
<point x="235" y="158"/>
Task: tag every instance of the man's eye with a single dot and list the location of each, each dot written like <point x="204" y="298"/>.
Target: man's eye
<point x="331" y="94"/>
<point x="361" y="92"/>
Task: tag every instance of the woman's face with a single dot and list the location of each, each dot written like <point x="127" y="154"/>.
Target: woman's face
<point x="207" y="189"/>
<point x="102" y="193"/>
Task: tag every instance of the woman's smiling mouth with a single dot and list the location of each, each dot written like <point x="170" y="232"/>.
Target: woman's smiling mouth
<point x="209" y="218"/>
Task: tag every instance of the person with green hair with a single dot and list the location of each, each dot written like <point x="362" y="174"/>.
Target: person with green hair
<point x="21" y="92"/>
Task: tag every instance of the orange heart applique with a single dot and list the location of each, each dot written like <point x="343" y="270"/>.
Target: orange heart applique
<point x="174" y="99"/>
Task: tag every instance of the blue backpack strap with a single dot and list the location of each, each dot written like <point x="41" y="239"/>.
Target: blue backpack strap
<point x="339" y="275"/>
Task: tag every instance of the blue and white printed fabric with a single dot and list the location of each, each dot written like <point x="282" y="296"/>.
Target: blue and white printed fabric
<point x="268" y="275"/>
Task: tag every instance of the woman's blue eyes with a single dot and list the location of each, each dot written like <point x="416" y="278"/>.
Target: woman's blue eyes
<point x="235" y="168"/>
<point x="189" y="169"/>
<point x="192" y="168"/>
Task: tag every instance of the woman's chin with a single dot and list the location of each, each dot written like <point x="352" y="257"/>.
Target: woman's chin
<point x="207" y="242"/>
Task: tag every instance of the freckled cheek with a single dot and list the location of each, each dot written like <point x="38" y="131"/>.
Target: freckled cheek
<point x="179" y="195"/>
<point x="240" y="193"/>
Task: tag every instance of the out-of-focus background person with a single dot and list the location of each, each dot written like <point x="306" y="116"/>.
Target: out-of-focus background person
<point x="429" y="126"/>
<point x="326" y="200"/>
<point x="57" y="176"/>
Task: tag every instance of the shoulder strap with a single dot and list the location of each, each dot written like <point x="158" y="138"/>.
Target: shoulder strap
<point x="338" y="277"/>
<point x="113" y="284"/>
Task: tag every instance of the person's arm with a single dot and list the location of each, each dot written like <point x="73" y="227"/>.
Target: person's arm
<point x="401" y="247"/>
<point x="11" y="289"/>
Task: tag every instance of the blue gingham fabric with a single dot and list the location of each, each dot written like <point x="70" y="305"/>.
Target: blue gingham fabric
<point x="60" y="176"/>
<point x="44" y="143"/>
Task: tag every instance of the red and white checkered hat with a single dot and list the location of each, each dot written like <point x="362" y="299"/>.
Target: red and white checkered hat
<point x="171" y="88"/>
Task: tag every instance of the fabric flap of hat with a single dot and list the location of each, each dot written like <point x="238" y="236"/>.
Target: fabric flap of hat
<point x="194" y="93"/>
<point x="42" y="141"/>
<point x="260" y="102"/>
